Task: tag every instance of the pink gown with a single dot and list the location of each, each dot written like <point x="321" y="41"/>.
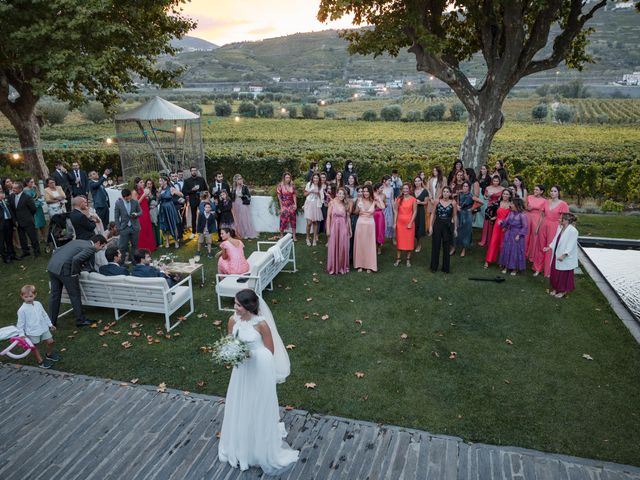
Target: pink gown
<point x="242" y="217"/>
<point x="339" y="242"/>
<point x="235" y="263"/>
<point x="533" y="248"/>
<point x="549" y="228"/>
<point x="378" y="218"/>
<point x="364" y="243"/>
<point x="146" y="238"/>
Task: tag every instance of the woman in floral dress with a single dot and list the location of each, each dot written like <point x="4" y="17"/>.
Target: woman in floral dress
<point x="288" y="205"/>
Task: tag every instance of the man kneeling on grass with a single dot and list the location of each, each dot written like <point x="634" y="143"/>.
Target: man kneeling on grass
<point x="34" y="323"/>
<point x="143" y="268"/>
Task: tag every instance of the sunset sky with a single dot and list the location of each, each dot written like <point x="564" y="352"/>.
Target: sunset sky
<point x="224" y="21"/>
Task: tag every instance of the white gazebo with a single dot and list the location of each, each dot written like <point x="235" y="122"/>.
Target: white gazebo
<point x="159" y="137"/>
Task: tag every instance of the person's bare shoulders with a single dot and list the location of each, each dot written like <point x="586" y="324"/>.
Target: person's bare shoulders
<point x="230" y="323"/>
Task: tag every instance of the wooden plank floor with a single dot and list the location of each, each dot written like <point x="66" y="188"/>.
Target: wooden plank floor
<point x="55" y="425"/>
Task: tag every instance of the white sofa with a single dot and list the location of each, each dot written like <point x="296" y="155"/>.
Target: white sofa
<point x="265" y="263"/>
<point x="139" y="294"/>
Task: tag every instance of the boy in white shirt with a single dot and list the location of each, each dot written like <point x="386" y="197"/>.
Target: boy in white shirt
<point x="34" y="323"/>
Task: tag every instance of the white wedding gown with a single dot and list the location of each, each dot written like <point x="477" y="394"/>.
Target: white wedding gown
<point x="252" y="434"/>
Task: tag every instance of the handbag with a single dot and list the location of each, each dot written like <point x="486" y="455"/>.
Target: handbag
<point x="491" y="211"/>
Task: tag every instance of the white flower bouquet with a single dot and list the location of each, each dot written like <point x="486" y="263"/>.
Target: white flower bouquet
<point x="230" y="350"/>
<point x="167" y="258"/>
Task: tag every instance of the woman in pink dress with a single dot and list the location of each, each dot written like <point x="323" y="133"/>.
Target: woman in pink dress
<point x="533" y="248"/>
<point x="492" y="193"/>
<point x="553" y="210"/>
<point x="338" y="226"/>
<point x="146" y="238"/>
<point x="231" y="259"/>
<point x="241" y="208"/>
<point x="405" y="210"/>
<point x="286" y="192"/>
<point x="378" y="215"/>
<point x="497" y="235"/>
<point x="364" y="244"/>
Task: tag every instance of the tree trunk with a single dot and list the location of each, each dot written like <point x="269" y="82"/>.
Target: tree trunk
<point x="23" y="118"/>
<point x="482" y="125"/>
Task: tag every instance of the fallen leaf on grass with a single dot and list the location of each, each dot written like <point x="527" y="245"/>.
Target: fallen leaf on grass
<point x="217" y="323"/>
<point x="309" y="299"/>
<point x="71" y="336"/>
<point x="200" y="383"/>
<point x="325" y="317"/>
<point x="104" y="345"/>
<point x="177" y="334"/>
<point x="507" y="381"/>
<point x="182" y="318"/>
<point x="508" y="342"/>
<point x="62" y="350"/>
<point x="136" y="325"/>
<point x="202" y="315"/>
<point x="306" y="317"/>
<point x="359" y="374"/>
<point x="453" y="355"/>
<point x="156" y="340"/>
<point x="168" y="336"/>
<point x="274" y="301"/>
<point x="439" y="299"/>
<point x="368" y="289"/>
<point x="363" y="332"/>
<point x="435" y="354"/>
<point x="291" y="346"/>
<point x="101" y="334"/>
<point x="310" y="385"/>
<point x="217" y="434"/>
<point x="159" y="332"/>
<point x="586" y="356"/>
<point x="359" y="322"/>
<point x="162" y="388"/>
<point x="414" y="280"/>
<point x="288" y="407"/>
<point x="404" y="336"/>
<point x="93" y="325"/>
<point x="315" y="280"/>
<point x="134" y="380"/>
<point x="126" y="345"/>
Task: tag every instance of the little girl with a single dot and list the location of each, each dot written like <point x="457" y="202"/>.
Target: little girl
<point x="516" y="226"/>
<point x="34" y="323"/>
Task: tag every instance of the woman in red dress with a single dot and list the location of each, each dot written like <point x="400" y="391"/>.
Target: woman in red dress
<point x="497" y="235"/>
<point x="146" y="239"/>
<point x="553" y="210"/>
<point x="492" y="194"/>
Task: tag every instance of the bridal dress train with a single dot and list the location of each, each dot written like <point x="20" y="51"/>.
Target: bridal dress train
<point x="252" y="434"/>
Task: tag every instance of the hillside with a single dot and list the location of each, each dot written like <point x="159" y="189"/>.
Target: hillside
<point x="615" y="46"/>
<point x="190" y="44"/>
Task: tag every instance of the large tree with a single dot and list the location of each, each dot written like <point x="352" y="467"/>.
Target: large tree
<point x="509" y="34"/>
<point x="71" y="49"/>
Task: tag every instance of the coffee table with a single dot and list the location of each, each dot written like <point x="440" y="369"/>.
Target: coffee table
<point x="185" y="268"/>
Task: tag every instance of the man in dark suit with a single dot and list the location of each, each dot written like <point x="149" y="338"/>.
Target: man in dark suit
<point x="99" y="195"/>
<point x="114" y="257"/>
<point x="217" y="186"/>
<point x="64" y="271"/>
<point x="6" y="231"/>
<point x="143" y="267"/>
<point x="127" y="217"/>
<point x="83" y="225"/>
<point x="193" y="186"/>
<point x="23" y="208"/>
<point x="78" y="180"/>
<point x="61" y="176"/>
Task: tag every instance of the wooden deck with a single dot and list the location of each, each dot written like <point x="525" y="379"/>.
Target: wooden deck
<point x="61" y="426"/>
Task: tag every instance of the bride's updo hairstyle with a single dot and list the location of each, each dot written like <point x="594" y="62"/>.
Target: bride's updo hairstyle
<point x="249" y="300"/>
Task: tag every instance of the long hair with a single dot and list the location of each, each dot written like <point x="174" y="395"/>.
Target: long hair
<point x="154" y="190"/>
<point x="230" y="231"/>
<point x="522" y="186"/>
<point x="136" y="181"/>
<point x="442" y="192"/>
<point x="347" y="197"/>
<point x="401" y="198"/>
<point x="439" y="177"/>
<point x="249" y="300"/>
<point x="236" y="177"/>
<point x="283" y="177"/>
<point x="519" y="204"/>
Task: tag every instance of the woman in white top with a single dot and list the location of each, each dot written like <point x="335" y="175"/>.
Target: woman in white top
<point x="565" y="256"/>
<point x="314" y="198"/>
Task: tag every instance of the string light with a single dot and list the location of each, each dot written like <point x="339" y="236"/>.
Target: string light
<point x="283" y="110"/>
<point x="322" y="102"/>
<point x="355" y="95"/>
<point x="109" y="140"/>
<point x="16" y="156"/>
<point x="178" y="129"/>
<point x="236" y="119"/>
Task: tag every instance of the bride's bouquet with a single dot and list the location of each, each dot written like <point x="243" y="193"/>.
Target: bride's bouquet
<point x="230" y="350"/>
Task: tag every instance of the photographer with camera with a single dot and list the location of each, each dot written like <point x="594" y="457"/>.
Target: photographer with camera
<point x="99" y="194"/>
<point x="127" y="216"/>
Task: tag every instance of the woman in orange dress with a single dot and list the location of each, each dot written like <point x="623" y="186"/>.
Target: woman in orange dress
<point x="535" y="210"/>
<point x="552" y="213"/>
<point x="364" y="243"/>
<point x="404" y="215"/>
<point x="497" y="235"/>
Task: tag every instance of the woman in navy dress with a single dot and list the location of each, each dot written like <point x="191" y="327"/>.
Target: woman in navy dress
<point x="168" y="217"/>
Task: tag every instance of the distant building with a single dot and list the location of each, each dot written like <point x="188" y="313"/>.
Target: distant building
<point x="275" y="79"/>
<point x="631" y="78"/>
<point x="255" y="89"/>
<point x="360" y="84"/>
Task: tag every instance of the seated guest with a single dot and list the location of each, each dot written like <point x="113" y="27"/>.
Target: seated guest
<point x="83" y="225"/>
<point x="114" y="257"/>
<point x="231" y="259"/>
<point x="143" y="267"/>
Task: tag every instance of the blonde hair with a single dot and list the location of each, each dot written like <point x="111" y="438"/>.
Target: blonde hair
<point x="27" y="289"/>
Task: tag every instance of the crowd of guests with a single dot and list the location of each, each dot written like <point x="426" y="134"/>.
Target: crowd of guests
<point x="517" y="226"/>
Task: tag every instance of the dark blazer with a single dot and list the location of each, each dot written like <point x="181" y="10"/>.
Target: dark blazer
<point x="187" y="189"/>
<point x="246" y="195"/>
<point x="10" y="219"/>
<point x="216" y="193"/>
<point x="211" y="222"/>
<point x="147" y="271"/>
<point x="71" y="258"/>
<point x="24" y="212"/>
<point x="122" y="218"/>
<point x="76" y="189"/>
<point x="83" y="226"/>
<point x="112" y="269"/>
<point x="98" y="193"/>
<point x="62" y="180"/>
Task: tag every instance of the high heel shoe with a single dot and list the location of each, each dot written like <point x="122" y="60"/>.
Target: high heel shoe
<point x="396" y="263"/>
<point x="408" y="263"/>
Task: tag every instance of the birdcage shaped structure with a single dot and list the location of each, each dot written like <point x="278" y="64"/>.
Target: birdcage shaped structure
<point x="159" y="137"/>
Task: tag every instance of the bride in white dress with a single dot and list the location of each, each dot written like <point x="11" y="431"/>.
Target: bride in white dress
<point x="252" y="434"/>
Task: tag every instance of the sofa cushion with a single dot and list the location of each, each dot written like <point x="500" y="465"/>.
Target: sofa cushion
<point x="147" y="282"/>
<point x="229" y="286"/>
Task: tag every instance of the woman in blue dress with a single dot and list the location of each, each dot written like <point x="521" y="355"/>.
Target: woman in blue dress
<point x="168" y="217"/>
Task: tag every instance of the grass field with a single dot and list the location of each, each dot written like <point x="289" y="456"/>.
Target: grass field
<point x="534" y="391"/>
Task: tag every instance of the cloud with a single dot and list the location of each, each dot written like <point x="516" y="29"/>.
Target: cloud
<point x="262" y="30"/>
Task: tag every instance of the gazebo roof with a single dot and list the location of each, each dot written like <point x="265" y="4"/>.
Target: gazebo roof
<point x="157" y="109"/>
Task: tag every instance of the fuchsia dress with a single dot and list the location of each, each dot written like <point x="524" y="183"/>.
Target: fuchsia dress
<point x="339" y="242"/>
<point x="548" y="230"/>
<point x="378" y="218"/>
<point x="533" y="249"/>
<point x="235" y="263"/>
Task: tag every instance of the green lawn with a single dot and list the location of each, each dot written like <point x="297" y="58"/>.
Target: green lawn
<point x="616" y="226"/>
<point x="535" y="391"/>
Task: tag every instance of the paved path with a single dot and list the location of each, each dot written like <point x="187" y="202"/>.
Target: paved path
<point x="55" y="425"/>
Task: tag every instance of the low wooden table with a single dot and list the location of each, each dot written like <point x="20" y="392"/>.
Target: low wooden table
<point x="185" y="268"/>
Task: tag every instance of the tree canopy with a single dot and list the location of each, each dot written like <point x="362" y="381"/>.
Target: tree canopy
<point x="509" y="34"/>
<point x="72" y="49"/>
